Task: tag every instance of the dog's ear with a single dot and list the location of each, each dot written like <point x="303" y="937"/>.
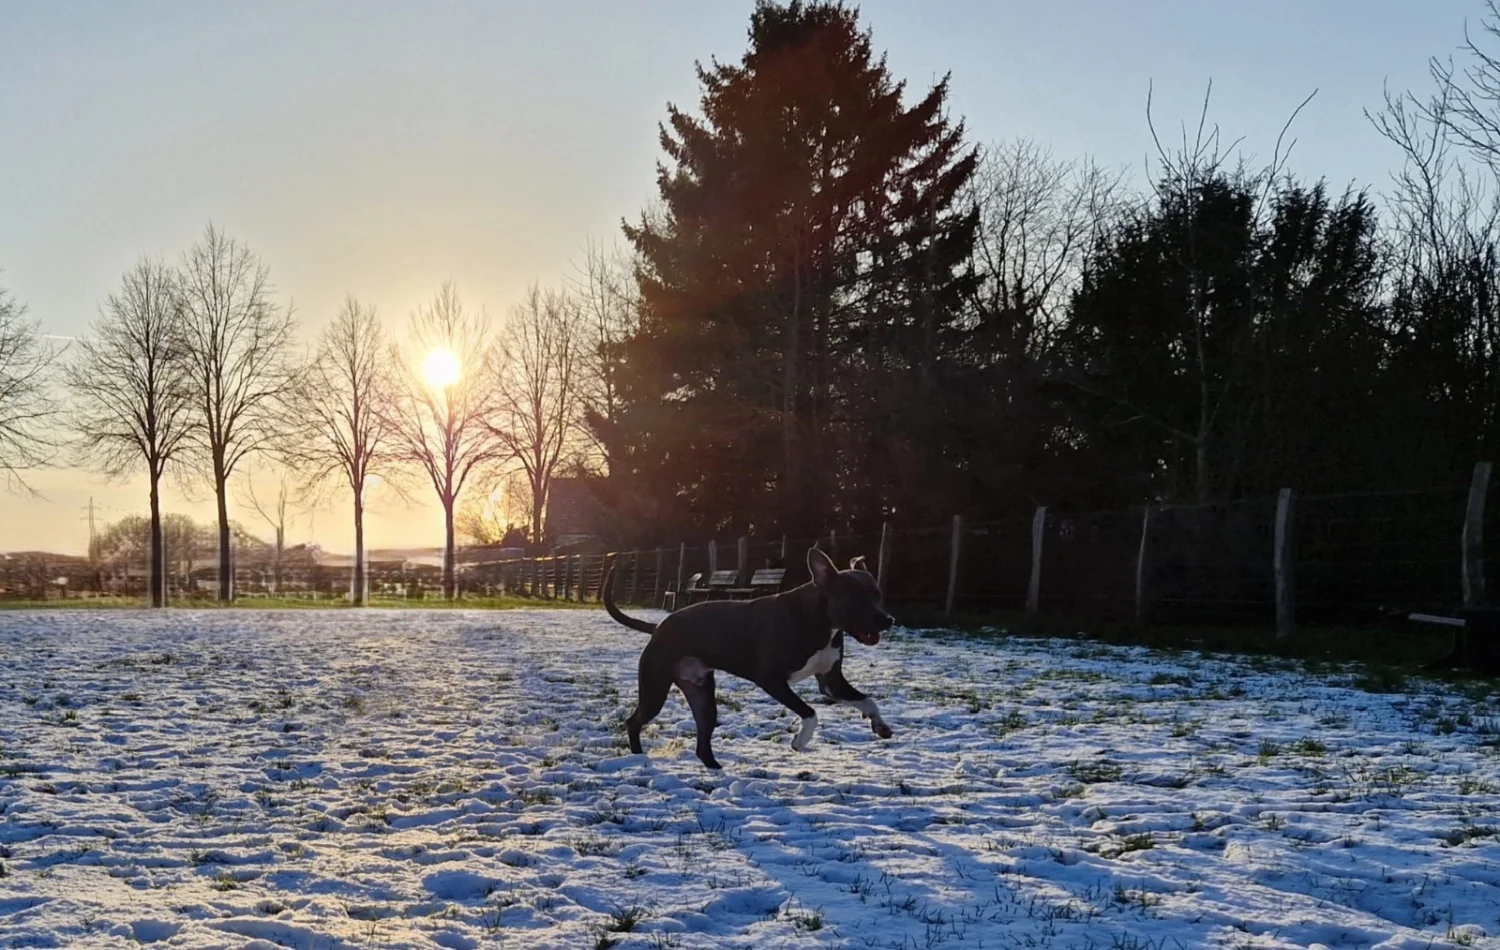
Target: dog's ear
<point x="858" y="564"/>
<point x="822" y="568"/>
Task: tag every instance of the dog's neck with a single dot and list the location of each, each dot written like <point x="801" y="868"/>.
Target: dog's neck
<point x="810" y="604"/>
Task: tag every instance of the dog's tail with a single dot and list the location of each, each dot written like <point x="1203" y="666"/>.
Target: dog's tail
<point x="608" y="597"/>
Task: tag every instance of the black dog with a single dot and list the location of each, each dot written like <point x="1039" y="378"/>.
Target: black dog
<point x="772" y="641"/>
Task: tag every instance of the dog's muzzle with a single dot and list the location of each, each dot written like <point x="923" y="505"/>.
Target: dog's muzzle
<point x="882" y="623"/>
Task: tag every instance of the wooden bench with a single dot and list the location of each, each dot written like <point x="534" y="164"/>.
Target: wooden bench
<point x="765" y="581"/>
<point x="1476" y="642"/>
<point x="722" y="582"/>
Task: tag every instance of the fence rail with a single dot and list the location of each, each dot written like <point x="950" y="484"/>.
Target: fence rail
<point x="1281" y="560"/>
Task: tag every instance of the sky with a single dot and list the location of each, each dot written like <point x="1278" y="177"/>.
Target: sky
<point x="381" y="148"/>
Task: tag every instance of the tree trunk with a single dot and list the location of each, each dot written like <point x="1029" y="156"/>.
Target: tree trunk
<point x="156" y="570"/>
<point x="226" y="569"/>
<point x="450" y="588"/>
<point x="276" y="568"/>
<point x="790" y="381"/>
<point x="357" y="598"/>
<point x="537" y="491"/>
<point x="1202" y="486"/>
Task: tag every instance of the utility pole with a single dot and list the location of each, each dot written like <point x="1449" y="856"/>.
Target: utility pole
<point x="93" y="545"/>
<point x="93" y="532"/>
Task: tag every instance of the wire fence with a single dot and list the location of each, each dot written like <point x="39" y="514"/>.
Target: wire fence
<point x="1346" y="559"/>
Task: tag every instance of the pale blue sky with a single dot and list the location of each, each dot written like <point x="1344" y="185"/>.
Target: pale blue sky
<point x="379" y="148"/>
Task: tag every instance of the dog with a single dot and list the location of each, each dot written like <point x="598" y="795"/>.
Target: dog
<point x="771" y="641"/>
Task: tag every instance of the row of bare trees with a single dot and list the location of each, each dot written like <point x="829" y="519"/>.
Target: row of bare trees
<point x="196" y="369"/>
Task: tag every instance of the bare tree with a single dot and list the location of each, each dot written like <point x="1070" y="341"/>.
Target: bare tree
<point x="238" y="347"/>
<point x="131" y="395"/>
<point x="348" y="428"/>
<point x="1443" y="226"/>
<point x="607" y="297"/>
<point x="1466" y="105"/>
<point x="274" y="513"/>
<point x="445" y="390"/>
<point x="538" y="419"/>
<point x="1039" y="216"/>
<point x="26" y="406"/>
<point x="1439" y="210"/>
<point x="479" y="522"/>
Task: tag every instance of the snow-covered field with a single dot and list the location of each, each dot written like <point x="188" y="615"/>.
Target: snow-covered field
<point x="459" y="779"/>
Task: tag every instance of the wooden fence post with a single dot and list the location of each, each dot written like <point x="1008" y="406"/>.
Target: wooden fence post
<point x="1473" y="536"/>
<point x="1140" y="566"/>
<point x="635" y="576"/>
<point x="958" y="531"/>
<point x="1034" y="588"/>
<point x="681" y="568"/>
<point x="603" y="569"/>
<point x="1281" y="565"/>
<point x="833" y="545"/>
<point x="883" y="560"/>
<point x="713" y="556"/>
<point x="783" y="550"/>
<point x="742" y="560"/>
<point x="656" y="583"/>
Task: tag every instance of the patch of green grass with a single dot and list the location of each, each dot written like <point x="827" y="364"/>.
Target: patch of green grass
<point x="1381" y="680"/>
<point x="1093" y="773"/>
<point x="1309" y="746"/>
<point x="1141" y="842"/>
<point x="1400" y="647"/>
<point x="1470" y="832"/>
<point x="1268" y="750"/>
<point x="465" y="602"/>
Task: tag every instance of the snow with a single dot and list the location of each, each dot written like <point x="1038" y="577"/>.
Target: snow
<point x="426" y="778"/>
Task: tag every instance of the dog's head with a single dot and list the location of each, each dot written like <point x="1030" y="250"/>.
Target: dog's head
<point x="854" y="603"/>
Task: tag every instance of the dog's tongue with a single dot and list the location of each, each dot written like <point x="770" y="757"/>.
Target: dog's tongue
<point x="870" y="639"/>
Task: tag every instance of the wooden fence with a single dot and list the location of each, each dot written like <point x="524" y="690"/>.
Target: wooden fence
<point x="1269" y="561"/>
<point x="1281" y="560"/>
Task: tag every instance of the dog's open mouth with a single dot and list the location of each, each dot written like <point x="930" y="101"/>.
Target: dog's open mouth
<point x="868" y="639"/>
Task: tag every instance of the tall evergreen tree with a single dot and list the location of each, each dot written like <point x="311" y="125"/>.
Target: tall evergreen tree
<point x="807" y="263"/>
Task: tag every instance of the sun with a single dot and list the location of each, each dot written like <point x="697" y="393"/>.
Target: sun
<point x="441" y="368"/>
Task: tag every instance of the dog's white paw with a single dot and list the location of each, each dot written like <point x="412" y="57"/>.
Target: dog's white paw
<point x="804" y="736"/>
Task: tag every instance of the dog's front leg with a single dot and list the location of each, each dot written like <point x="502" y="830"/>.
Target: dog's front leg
<point x="782" y="692"/>
<point x="833" y="685"/>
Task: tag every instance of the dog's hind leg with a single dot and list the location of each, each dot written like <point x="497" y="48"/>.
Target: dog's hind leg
<point x="782" y="692"/>
<point x="700" y="698"/>
<point x="833" y="685"/>
<point x="655" y="682"/>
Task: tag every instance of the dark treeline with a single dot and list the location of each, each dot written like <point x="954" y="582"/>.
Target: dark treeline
<point x="848" y="312"/>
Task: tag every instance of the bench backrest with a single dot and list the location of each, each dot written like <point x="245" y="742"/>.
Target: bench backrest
<point x="768" y="577"/>
<point x="723" y="578"/>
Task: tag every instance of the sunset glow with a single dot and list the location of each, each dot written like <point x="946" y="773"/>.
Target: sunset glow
<point x="441" y="368"/>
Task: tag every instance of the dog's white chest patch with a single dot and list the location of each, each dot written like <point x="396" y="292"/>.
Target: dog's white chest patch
<point x="820" y="662"/>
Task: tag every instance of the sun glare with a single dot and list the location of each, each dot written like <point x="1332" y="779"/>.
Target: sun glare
<point x="441" y="369"/>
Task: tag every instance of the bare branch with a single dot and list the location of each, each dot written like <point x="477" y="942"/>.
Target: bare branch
<point x="538" y="411"/>
<point x="438" y="426"/>
<point x="26" y="405"/>
<point x="238" y="352"/>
